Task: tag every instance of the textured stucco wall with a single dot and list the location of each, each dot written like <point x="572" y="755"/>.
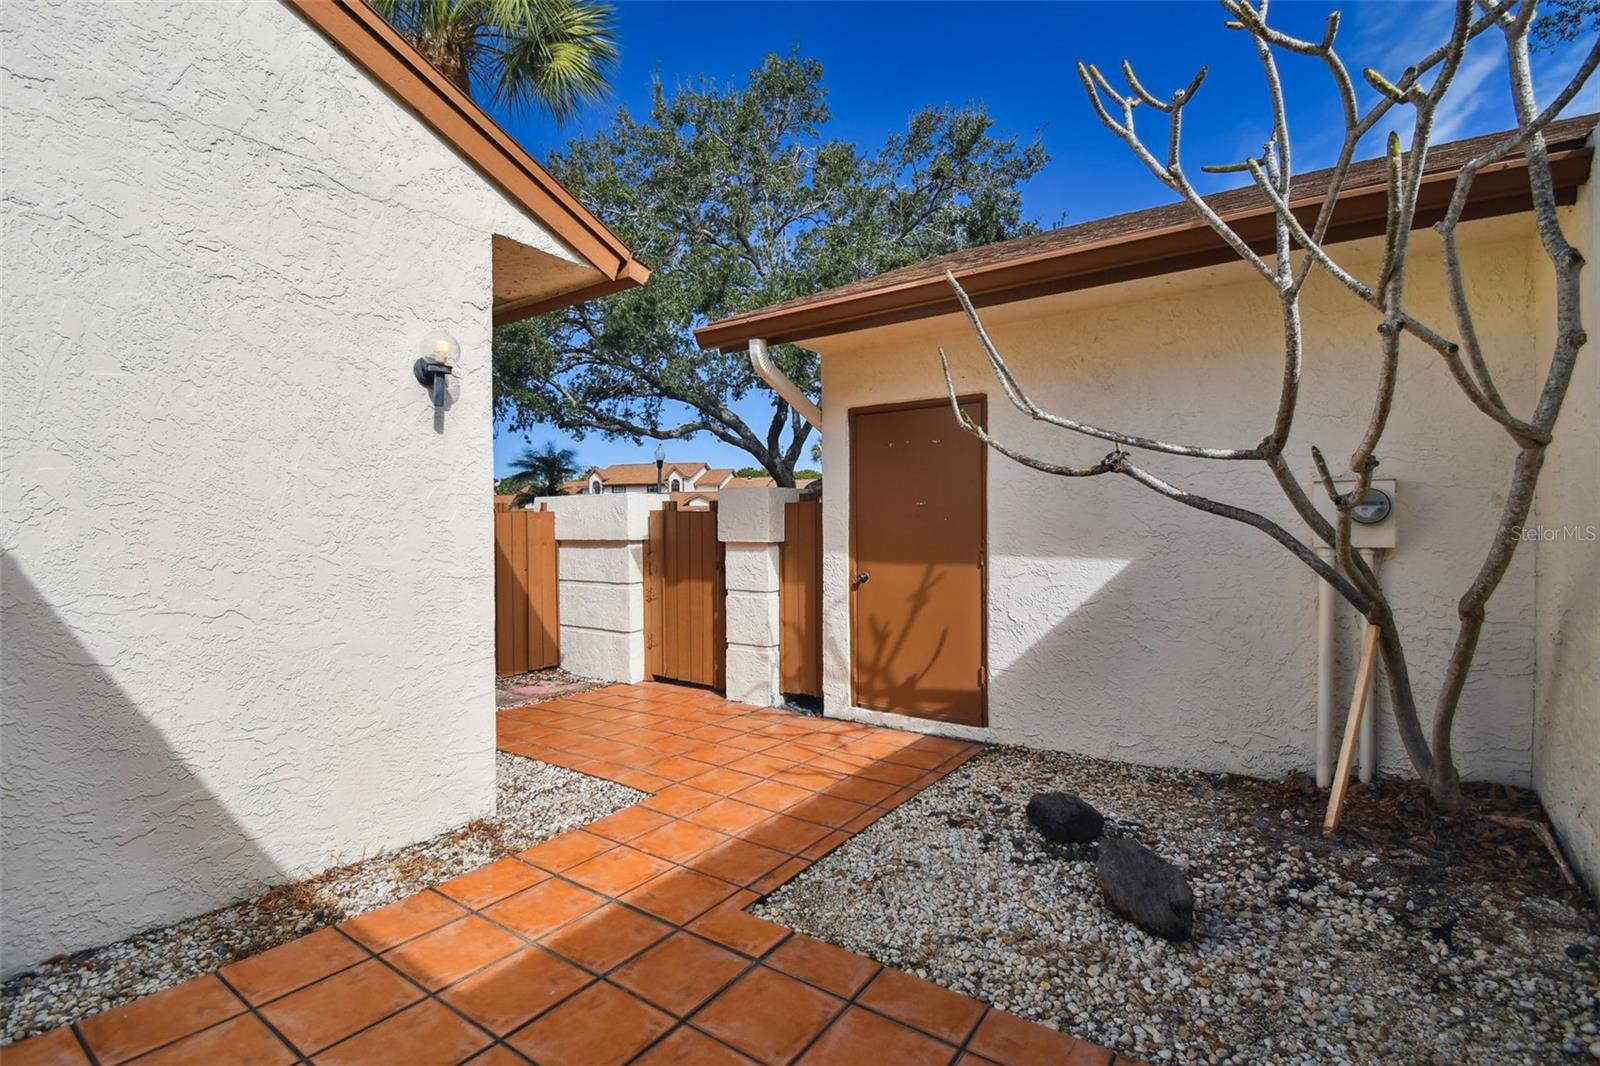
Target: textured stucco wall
<point x="248" y="584"/>
<point x="1127" y="626"/>
<point x="1567" y="688"/>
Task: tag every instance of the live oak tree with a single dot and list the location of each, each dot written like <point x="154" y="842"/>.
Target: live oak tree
<point x="1565" y="21"/>
<point x="1300" y="250"/>
<point x="737" y="199"/>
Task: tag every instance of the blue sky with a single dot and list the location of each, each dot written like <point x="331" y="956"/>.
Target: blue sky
<point x="883" y="61"/>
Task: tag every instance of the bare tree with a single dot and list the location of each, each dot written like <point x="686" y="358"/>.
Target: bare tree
<point x="1457" y="344"/>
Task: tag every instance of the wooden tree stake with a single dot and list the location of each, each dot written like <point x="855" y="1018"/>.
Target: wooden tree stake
<point x="1352" y="729"/>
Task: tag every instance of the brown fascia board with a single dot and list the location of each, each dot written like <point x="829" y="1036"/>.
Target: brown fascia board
<point x="1500" y="189"/>
<point x="517" y="310"/>
<point x="377" y="48"/>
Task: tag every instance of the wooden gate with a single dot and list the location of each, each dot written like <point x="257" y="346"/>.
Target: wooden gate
<point x="685" y="632"/>
<point x="800" y="598"/>
<point x="527" y="623"/>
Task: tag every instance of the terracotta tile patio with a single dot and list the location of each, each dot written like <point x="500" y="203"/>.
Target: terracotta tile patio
<point x="623" y="942"/>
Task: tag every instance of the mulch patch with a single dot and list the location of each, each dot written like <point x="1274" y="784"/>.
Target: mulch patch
<point x="1400" y="821"/>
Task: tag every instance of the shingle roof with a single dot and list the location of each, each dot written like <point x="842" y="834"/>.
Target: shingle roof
<point x="645" y="473"/>
<point x="1140" y="243"/>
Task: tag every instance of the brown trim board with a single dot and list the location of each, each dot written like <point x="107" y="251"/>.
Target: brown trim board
<point x="1500" y="189"/>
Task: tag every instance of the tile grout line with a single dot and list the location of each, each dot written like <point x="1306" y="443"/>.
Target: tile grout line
<point x="684" y="928"/>
<point x="83" y="1042"/>
<point x="683" y="1021"/>
<point x="427" y="994"/>
<point x="250" y="1008"/>
<point x="596" y="978"/>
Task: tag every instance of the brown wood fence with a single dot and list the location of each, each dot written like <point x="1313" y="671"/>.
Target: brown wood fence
<point x="527" y="621"/>
<point x="800" y="598"/>
<point x="685" y="631"/>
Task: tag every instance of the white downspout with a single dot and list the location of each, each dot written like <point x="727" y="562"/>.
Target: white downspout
<point x="768" y="371"/>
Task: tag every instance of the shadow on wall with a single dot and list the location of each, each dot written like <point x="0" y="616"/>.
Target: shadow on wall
<point x="1148" y="660"/>
<point x="1112" y="657"/>
<point x="107" y="831"/>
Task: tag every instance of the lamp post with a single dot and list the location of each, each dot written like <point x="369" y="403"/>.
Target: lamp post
<point x="661" y="458"/>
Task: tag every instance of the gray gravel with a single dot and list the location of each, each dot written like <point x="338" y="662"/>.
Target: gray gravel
<point x="1301" y="953"/>
<point x="535" y="802"/>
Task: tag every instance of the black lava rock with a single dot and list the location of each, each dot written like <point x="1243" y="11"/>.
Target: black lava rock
<point x="1065" y="818"/>
<point x="1146" y="889"/>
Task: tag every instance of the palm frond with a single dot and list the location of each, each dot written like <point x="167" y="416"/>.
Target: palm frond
<point x="552" y="54"/>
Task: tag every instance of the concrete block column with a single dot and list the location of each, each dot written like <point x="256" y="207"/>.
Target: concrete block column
<point x="601" y="574"/>
<point x="750" y="526"/>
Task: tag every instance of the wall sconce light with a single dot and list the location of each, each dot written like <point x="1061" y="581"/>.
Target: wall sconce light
<point x="440" y="353"/>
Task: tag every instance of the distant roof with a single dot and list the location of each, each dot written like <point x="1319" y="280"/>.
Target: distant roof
<point x="645" y="473"/>
<point x="716" y="475"/>
<point x="632" y="474"/>
<point x="1157" y="240"/>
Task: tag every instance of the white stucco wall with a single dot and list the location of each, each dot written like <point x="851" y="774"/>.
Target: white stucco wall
<point x="1567" y="686"/>
<point x="1126" y="626"/>
<point x="248" y="584"/>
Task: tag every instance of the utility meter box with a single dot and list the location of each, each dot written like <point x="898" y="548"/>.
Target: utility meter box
<point x="1376" y="518"/>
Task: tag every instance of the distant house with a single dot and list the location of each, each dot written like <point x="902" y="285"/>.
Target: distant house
<point x="643" y="477"/>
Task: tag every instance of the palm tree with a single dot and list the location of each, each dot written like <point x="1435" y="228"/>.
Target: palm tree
<point x="540" y="473"/>
<point x="552" y="54"/>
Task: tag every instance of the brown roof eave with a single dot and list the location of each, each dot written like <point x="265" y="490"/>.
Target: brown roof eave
<point x="373" y="45"/>
<point x="517" y="310"/>
<point x="1498" y="190"/>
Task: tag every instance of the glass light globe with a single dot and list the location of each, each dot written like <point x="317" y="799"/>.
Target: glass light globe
<point x="440" y="346"/>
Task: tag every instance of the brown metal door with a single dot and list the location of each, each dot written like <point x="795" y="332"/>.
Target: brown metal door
<point x="917" y="544"/>
<point x="685" y="630"/>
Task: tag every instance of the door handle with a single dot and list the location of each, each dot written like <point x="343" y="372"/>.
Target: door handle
<point x="863" y="577"/>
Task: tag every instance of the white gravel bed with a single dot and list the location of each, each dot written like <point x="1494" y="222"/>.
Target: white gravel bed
<point x="535" y="802"/>
<point x="1303" y="951"/>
